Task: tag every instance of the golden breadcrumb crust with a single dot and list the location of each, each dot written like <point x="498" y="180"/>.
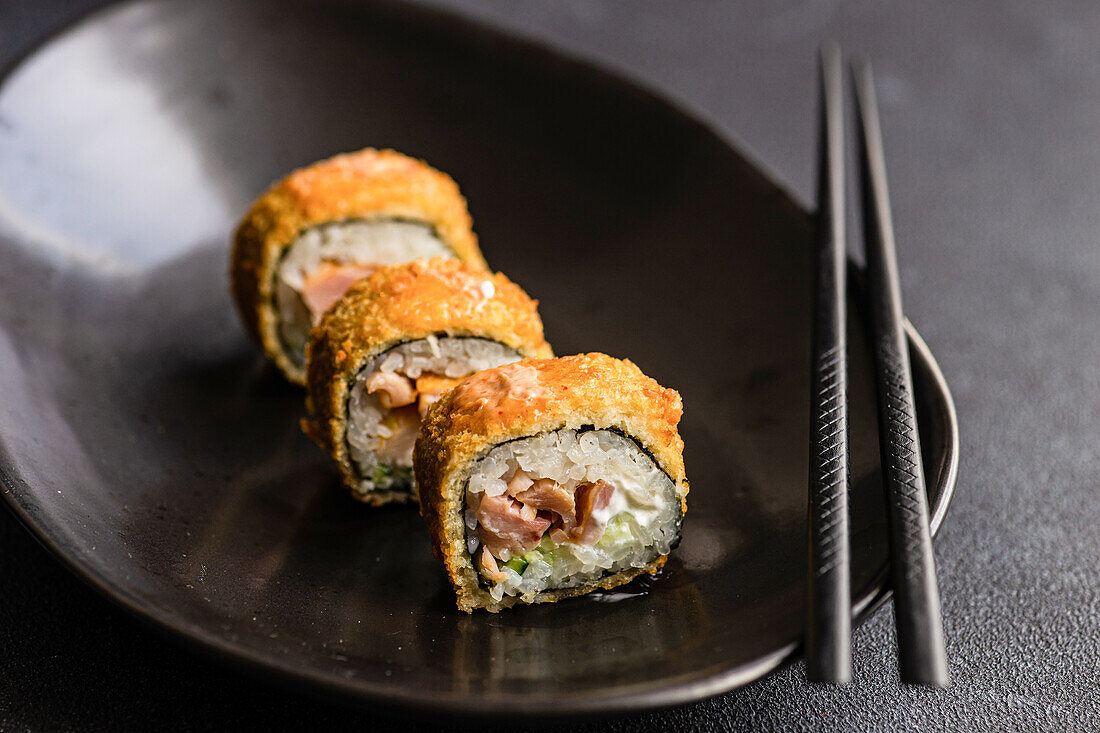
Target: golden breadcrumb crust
<point x="397" y="304"/>
<point x="364" y="185"/>
<point x="524" y="399"/>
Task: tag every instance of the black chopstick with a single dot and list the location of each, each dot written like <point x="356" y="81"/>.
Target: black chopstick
<point x="921" y="652"/>
<point x="829" y="606"/>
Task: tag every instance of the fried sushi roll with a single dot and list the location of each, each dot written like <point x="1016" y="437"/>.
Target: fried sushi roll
<point x="315" y="232"/>
<point x="549" y="478"/>
<point x="394" y="344"/>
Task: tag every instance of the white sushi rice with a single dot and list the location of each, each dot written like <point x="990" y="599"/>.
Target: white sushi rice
<point x="644" y="512"/>
<point x="373" y="242"/>
<point x="447" y="356"/>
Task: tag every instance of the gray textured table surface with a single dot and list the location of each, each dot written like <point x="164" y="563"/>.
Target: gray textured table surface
<point x="991" y="115"/>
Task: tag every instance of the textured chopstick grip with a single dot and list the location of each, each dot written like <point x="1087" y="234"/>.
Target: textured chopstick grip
<point x="922" y="655"/>
<point x="829" y="609"/>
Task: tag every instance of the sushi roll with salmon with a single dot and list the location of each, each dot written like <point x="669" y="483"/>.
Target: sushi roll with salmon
<point x="394" y="344"/>
<point x="549" y="478"/>
<point x="323" y="227"/>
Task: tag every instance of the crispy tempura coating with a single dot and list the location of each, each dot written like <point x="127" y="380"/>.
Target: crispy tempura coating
<point x="367" y="184"/>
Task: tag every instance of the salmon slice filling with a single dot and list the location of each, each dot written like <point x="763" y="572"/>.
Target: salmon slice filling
<point x="507" y="527"/>
<point x="323" y="262"/>
<point x="515" y="522"/>
<point x="564" y="507"/>
<point x="393" y="392"/>
<point x="328" y="283"/>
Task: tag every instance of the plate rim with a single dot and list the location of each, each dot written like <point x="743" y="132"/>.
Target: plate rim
<point x="692" y="687"/>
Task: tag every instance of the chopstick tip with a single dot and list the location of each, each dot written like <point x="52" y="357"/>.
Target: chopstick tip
<point x="861" y="69"/>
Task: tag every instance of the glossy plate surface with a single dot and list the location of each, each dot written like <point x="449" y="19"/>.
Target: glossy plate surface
<point x="147" y="444"/>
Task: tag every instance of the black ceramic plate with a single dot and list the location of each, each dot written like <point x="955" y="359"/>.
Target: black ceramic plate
<point x="147" y="444"/>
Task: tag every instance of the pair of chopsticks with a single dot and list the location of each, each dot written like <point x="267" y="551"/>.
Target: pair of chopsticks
<point x="921" y="653"/>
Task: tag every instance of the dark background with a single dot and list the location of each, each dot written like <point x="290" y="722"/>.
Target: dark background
<point x="991" y="115"/>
